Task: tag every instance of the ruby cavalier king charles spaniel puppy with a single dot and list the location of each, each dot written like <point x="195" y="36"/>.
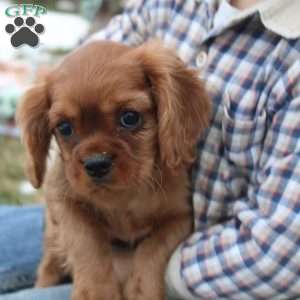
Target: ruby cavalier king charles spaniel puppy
<point x="126" y="122"/>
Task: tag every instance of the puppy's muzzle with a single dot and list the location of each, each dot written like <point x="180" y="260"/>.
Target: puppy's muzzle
<point x="97" y="166"/>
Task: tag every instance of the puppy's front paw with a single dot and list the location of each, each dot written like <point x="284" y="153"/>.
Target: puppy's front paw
<point x="48" y="276"/>
<point x="47" y="280"/>
<point x="141" y="288"/>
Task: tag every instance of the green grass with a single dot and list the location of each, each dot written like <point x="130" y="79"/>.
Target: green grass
<point x="12" y="159"/>
<point x="49" y="4"/>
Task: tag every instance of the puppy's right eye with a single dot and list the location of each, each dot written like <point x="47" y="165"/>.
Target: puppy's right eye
<point x="130" y="119"/>
<point x="65" y="129"/>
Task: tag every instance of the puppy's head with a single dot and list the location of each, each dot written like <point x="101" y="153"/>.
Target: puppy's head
<point x="117" y="113"/>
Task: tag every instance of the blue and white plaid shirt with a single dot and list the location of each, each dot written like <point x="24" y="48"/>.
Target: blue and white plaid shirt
<point x="246" y="243"/>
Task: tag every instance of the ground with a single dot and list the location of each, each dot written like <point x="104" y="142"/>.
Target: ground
<point x="12" y="158"/>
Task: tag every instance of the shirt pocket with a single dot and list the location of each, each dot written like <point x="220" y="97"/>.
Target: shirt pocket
<point x="242" y="138"/>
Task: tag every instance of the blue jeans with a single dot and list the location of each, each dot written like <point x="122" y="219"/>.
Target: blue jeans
<point x="20" y="252"/>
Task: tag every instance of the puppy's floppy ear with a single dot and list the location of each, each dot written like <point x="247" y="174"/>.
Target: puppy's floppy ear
<point x="32" y="117"/>
<point x="182" y="104"/>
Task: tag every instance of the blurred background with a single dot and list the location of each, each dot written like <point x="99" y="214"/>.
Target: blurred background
<point x="67" y="23"/>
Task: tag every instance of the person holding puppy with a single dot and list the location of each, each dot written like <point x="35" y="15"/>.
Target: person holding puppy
<point x="246" y="192"/>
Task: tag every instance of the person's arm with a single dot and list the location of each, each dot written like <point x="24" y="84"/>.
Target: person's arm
<point x="135" y="25"/>
<point x="255" y="255"/>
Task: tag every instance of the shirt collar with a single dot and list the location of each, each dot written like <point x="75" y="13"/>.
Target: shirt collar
<point x="279" y="16"/>
<point x="282" y="17"/>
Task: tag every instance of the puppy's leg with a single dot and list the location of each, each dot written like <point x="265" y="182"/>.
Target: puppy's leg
<point x="90" y="255"/>
<point x="147" y="279"/>
<point x="50" y="271"/>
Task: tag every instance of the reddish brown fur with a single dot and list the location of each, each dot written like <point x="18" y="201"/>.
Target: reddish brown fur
<point x="146" y="196"/>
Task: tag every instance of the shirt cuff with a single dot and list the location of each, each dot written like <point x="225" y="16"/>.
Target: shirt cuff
<point x="175" y="285"/>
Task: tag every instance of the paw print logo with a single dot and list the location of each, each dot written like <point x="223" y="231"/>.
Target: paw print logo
<point x="24" y="33"/>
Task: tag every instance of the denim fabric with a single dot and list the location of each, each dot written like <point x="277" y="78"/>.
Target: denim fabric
<point x="20" y="245"/>
<point x="21" y="230"/>
<point x="61" y="292"/>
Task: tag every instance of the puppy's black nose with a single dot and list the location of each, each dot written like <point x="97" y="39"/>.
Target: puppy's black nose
<point x="97" y="166"/>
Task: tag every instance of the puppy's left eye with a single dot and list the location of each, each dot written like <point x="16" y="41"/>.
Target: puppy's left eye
<point x="65" y="129"/>
<point x="130" y="119"/>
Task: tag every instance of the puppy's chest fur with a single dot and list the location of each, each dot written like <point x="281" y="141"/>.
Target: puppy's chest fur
<point x="126" y="226"/>
<point x="126" y="222"/>
<point x="124" y="216"/>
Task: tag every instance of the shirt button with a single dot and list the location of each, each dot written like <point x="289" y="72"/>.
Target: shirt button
<point x="225" y="175"/>
<point x="201" y="59"/>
